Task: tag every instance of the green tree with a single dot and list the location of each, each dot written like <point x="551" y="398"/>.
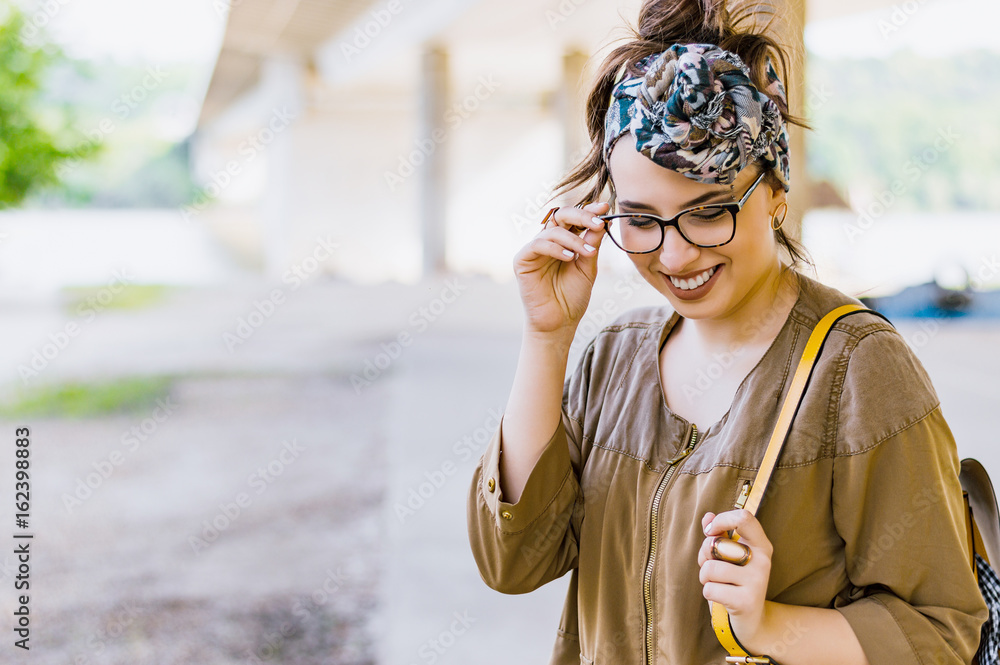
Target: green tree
<point x="34" y="140"/>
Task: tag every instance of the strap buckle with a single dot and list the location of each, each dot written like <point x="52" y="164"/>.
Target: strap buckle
<point x="750" y="659"/>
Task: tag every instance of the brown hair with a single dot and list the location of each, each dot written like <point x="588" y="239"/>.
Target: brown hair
<point x="661" y="24"/>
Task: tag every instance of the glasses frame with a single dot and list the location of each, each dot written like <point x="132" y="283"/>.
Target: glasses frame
<point x="732" y="207"/>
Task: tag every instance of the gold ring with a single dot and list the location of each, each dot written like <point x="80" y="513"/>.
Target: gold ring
<point x="728" y="552"/>
<point x="550" y="214"/>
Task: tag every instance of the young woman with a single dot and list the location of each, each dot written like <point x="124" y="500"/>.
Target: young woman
<point x="626" y="472"/>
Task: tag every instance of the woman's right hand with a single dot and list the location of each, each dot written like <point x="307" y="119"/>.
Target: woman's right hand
<point x="555" y="287"/>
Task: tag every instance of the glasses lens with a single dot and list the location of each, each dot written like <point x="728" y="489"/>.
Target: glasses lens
<point x="709" y="226"/>
<point x="635" y="233"/>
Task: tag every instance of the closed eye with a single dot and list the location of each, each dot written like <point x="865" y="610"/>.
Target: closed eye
<point x="708" y="216"/>
<point x="638" y="221"/>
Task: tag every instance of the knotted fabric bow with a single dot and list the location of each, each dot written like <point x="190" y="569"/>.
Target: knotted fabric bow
<point x="697" y="111"/>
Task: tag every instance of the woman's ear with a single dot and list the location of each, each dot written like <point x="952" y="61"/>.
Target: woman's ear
<point x="778" y="203"/>
<point x="778" y="197"/>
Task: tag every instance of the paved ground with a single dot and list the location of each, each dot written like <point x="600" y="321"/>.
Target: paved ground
<point x="312" y="562"/>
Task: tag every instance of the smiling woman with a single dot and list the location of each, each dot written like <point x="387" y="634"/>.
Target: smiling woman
<point x="627" y="473"/>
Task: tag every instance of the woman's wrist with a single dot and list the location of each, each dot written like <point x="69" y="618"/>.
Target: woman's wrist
<point x="558" y="341"/>
<point x="793" y="634"/>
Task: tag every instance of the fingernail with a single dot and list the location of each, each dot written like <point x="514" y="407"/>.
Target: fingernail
<point x="597" y="221"/>
<point x="708" y="528"/>
<point x="567" y="252"/>
<point x="588" y="247"/>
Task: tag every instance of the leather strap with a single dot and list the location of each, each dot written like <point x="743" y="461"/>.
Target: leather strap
<point x="720" y="615"/>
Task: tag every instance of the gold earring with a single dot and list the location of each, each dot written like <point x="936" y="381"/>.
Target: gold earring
<point x="774" y="218"/>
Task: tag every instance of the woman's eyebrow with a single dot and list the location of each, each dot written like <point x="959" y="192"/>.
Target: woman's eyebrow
<point x="707" y="197"/>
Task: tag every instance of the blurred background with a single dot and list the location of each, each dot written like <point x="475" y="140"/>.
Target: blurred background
<point x="258" y="311"/>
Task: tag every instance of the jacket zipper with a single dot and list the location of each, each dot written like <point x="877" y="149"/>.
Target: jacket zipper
<point x="647" y="579"/>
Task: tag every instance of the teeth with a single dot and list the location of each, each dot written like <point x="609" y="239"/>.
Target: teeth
<point x="695" y="282"/>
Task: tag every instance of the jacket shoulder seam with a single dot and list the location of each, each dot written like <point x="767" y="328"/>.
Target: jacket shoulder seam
<point x="901" y="428"/>
<point x="842" y="325"/>
<point x="619" y="451"/>
<point x="618" y="327"/>
<point x="836" y="394"/>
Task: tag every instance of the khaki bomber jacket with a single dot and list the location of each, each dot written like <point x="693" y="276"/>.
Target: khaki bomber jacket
<point x="864" y="509"/>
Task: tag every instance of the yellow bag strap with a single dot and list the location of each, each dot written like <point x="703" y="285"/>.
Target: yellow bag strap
<point x="720" y="616"/>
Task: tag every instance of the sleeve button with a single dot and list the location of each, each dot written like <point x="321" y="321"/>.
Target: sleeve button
<point x="491" y="484"/>
<point x="506" y="515"/>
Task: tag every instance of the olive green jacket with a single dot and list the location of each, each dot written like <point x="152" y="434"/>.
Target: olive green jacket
<point x="864" y="509"/>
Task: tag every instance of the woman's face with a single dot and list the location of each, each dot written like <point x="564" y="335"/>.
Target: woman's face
<point x="742" y="266"/>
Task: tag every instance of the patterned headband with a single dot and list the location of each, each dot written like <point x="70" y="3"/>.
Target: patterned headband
<point x="696" y="111"/>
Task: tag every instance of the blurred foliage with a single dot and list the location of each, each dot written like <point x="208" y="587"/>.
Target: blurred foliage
<point x="35" y="139"/>
<point x="82" y="400"/>
<point x="131" y="296"/>
<point x="876" y="122"/>
<point x="141" y="116"/>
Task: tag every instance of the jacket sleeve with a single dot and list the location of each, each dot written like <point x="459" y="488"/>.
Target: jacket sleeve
<point x="521" y="546"/>
<point x="912" y="596"/>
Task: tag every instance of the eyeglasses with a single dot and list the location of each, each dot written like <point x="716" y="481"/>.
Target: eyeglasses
<point x="709" y="225"/>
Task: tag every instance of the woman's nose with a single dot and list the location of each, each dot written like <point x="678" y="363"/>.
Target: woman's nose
<point x="676" y="253"/>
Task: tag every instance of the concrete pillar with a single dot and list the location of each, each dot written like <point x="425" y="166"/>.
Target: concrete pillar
<point x="798" y="197"/>
<point x="787" y="28"/>
<point x="432" y="104"/>
<point x="571" y="107"/>
<point x="282" y="86"/>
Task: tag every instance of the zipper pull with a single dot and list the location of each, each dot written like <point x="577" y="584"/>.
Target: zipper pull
<point x="687" y="449"/>
<point x="741" y="500"/>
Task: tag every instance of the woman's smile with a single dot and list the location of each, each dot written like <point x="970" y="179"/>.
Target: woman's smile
<point x="693" y="286"/>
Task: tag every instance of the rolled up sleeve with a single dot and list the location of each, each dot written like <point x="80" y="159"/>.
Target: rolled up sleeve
<point x="897" y="502"/>
<point x="521" y="546"/>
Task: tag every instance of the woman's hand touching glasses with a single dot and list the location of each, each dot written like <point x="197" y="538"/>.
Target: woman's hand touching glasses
<point x="556" y="270"/>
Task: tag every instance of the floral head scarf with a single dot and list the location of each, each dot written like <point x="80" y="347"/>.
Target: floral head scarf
<point x="697" y="111"/>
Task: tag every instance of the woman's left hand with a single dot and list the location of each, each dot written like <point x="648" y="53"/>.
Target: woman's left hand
<point x="741" y="589"/>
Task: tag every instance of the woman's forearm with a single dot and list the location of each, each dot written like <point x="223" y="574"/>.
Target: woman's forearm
<point x="533" y="409"/>
<point x="798" y="635"/>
